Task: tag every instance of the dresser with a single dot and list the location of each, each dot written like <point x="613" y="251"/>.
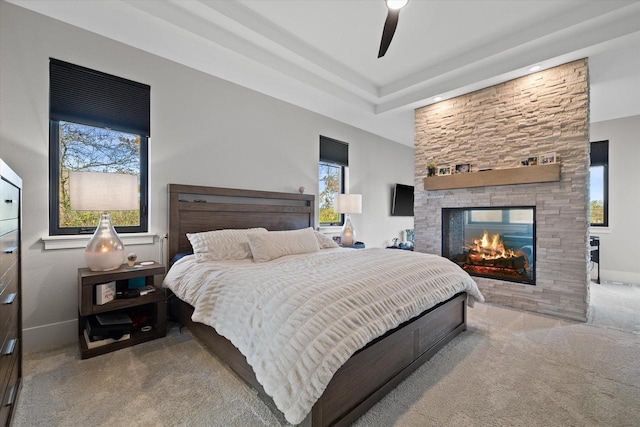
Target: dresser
<point x="10" y="288"/>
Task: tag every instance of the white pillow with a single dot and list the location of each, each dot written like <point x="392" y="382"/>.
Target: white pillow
<point x="222" y="244"/>
<point x="324" y="241"/>
<point x="274" y="244"/>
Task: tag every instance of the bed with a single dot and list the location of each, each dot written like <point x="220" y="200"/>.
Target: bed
<point x="370" y="372"/>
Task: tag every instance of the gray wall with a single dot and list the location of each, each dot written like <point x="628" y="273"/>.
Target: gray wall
<point x="619" y="242"/>
<point x="204" y="131"/>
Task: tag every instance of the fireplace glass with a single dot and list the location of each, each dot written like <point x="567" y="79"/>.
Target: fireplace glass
<point x="496" y="242"/>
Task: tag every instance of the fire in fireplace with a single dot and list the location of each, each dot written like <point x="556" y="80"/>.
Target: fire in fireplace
<point x="497" y="243"/>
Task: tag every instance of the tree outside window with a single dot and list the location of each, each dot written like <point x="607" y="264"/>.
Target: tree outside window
<point x="92" y="149"/>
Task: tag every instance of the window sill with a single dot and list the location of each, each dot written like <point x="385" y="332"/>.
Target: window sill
<point x="600" y="230"/>
<point x="80" y="241"/>
<point x="330" y="229"/>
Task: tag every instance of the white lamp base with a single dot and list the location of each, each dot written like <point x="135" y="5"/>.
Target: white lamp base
<point x="348" y="236"/>
<point x="105" y="250"/>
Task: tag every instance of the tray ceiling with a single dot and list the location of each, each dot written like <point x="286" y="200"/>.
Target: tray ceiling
<point x="322" y="55"/>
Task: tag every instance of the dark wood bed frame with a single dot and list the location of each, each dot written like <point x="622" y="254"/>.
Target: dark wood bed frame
<point x="373" y="370"/>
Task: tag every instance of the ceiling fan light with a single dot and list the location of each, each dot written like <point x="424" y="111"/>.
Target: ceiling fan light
<point x="396" y="4"/>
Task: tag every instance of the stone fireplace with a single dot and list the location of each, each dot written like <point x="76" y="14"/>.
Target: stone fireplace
<point x="494" y="128"/>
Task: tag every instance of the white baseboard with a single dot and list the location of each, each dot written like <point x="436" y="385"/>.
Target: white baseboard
<point x="617" y="276"/>
<point x="49" y="336"/>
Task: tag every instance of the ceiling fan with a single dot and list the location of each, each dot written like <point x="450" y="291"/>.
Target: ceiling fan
<point x="390" y="24"/>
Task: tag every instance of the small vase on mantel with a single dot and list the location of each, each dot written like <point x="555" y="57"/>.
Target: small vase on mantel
<point x="431" y="169"/>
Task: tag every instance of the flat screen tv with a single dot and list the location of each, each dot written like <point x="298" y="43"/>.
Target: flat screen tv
<point x="402" y="200"/>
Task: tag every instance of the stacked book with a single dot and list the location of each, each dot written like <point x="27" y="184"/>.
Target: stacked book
<point x="103" y="329"/>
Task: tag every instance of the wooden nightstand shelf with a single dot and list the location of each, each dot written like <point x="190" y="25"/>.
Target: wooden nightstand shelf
<point x="153" y="303"/>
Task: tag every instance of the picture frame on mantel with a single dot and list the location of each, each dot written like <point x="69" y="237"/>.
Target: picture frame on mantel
<point x="529" y="161"/>
<point x="444" y="170"/>
<point x="463" y="168"/>
<point x="547" y="159"/>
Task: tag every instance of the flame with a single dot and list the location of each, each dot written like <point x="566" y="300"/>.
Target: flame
<point x="492" y="248"/>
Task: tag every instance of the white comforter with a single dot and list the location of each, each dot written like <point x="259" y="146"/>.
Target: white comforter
<point x="297" y="319"/>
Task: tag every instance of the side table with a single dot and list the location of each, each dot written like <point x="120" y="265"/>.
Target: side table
<point x="153" y="303"/>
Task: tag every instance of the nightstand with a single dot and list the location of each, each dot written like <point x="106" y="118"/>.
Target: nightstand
<point x="151" y="306"/>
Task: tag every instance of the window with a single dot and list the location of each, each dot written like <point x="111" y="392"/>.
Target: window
<point x="503" y="216"/>
<point x="334" y="161"/>
<point x="98" y="123"/>
<point x="599" y="184"/>
<point x="485" y="215"/>
<point x="331" y="184"/>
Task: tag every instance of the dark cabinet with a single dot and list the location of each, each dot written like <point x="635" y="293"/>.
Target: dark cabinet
<point x="10" y="291"/>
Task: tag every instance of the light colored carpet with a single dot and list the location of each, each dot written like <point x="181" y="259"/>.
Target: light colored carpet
<point x="510" y="368"/>
<point x="615" y="305"/>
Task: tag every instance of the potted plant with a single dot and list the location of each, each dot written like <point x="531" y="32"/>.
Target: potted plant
<point x="431" y="169"/>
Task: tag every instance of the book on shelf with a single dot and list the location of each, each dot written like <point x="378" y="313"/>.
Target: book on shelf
<point x="116" y="318"/>
<point x="99" y="343"/>
<point x="105" y="292"/>
<point x="147" y="290"/>
<point x="97" y="331"/>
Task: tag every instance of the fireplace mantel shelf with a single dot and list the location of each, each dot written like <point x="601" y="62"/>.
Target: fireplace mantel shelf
<point x="521" y="175"/>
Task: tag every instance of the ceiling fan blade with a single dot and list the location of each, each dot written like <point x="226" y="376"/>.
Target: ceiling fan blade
<point x="389" y="29"/>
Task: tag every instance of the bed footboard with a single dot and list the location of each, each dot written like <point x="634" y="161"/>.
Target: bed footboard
<point x="354" y="388"/>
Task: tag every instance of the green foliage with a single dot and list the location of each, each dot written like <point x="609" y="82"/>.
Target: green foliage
<point x="328" y="216"/>
<point x="91" y="149"/>
<point x="596" y="212"/>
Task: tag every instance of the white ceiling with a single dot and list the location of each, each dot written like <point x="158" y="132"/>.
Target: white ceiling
<point x="322" y="54"/>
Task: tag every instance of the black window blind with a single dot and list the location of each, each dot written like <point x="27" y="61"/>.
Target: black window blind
<point x="334" y="151"/>
<point x="599" y="153"/>
<point x="81" y="95"/>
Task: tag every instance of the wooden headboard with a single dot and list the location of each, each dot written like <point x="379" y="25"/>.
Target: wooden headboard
<point x="194" y="208"/>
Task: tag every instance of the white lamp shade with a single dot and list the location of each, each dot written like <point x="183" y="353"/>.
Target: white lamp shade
<point x="348" y="203"/>
<point x="100" y="191"/>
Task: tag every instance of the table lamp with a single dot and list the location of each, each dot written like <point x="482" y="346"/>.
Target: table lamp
<point x="348" y="204"/>
<point x="98" y="191"/>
